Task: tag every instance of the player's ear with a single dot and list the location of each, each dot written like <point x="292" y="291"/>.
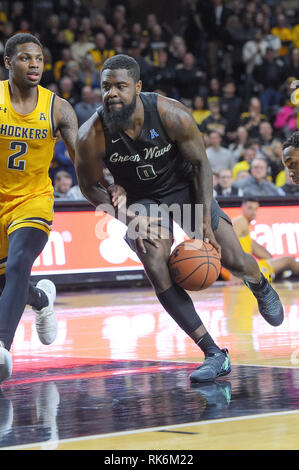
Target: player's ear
<point x="7" y="62"/>
<point x="138" y="87"/>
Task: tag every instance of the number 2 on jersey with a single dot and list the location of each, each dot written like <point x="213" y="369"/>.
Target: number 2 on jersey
<point x="21" y="148"/>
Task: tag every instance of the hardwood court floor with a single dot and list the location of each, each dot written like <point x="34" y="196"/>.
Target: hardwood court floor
<point x="117" y="376"/>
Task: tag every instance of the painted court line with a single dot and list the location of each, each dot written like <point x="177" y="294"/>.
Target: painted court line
<point x="156" y="429"/>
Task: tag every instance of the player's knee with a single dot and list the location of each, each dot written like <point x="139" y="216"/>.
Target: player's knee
<point x="19" y="263"/>
<point x="156" y="267"/>
<point x="155" y="270"/>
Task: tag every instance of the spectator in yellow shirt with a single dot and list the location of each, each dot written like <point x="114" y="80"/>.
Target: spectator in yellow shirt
<point x="60" y="64"/>
<point x="198" y="109"/>
<point x="295" y="35"/>
<point x="70" y="31"/>
<point x="100" y="53"/>
<point x="284" y="34"/>
<point x="249" y="155"/>
<point x="3" y="17"/>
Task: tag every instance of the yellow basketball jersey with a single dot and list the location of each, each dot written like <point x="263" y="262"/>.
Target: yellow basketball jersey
<point x="26" y="146"/>
<point x="246" y="243"/>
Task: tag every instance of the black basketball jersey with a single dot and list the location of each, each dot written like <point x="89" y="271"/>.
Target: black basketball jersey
<point x="150" y="165"/>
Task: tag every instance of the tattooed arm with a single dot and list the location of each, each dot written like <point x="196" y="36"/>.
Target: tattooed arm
<point x="65" y="121"/>
<point x="182" y="129"/>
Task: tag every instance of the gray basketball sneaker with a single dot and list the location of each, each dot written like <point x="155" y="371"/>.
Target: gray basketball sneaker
<point x="215" y="365"/>
<point x="269" y="303"/>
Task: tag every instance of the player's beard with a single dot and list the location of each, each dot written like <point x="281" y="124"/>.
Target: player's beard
<point x="117" y="120"/>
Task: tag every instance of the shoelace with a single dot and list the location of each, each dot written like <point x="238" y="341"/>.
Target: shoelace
<point x="210" y="361"/>
<point x="269" y="298"/>
<point x="41" y="317"/>
<point x="46" y="328"/>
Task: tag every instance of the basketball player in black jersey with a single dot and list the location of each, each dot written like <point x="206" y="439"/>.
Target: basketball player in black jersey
<point x="155" y="153"/>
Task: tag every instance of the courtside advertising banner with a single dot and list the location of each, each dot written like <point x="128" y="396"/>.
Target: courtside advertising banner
<point x="88" y="241"/>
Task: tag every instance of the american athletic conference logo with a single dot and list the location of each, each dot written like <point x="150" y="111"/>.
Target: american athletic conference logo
<point x="153" y="133"/>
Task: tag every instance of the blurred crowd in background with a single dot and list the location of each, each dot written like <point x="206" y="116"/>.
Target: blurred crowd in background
<point x="234" y="64"/>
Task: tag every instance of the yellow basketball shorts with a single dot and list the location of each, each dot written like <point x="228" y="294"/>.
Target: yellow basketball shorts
<point x="267" y="270"/>
<point x="30" y="211"/>
<point x="264" y="266"/>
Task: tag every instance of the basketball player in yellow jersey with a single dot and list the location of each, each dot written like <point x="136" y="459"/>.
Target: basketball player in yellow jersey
<point x="30" y="115"/>
<point x="269" y="266"/>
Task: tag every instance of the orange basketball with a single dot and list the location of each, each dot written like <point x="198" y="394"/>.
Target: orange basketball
<point x="194" y="265"/>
